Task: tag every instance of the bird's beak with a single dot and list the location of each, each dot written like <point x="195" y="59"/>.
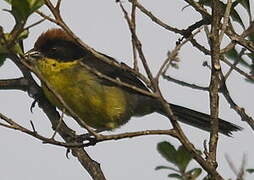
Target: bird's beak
<point x="33" y="54"/>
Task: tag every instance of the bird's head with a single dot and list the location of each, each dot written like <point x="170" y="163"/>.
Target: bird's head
<point x="56" y="44"/>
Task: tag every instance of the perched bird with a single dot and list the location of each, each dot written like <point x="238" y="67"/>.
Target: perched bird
<point x="100" y="103"/>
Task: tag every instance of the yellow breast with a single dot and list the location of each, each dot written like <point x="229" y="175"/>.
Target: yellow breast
<point x="100" y="106"/>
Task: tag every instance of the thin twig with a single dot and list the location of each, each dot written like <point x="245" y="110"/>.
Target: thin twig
<point x="242" y="171"/>
<point x="231" y="164"/>
<point x="134" y="50"/>
<point x="154" y="18"/>
<point x="239" y="173"/>
<point x="238" y="109"/>
<point x="237" y="69"/>
<point x="34" y="24"/>
<point x="32" y="125"/>
<point x="225" y="19"/>
<point x="139" y="47"/>
<point x="238" y="59"/>
<point x="173" y="55"/>
<point x="59" y="124"/>
<point x="47" y="17"/>
<point x="182" y="83"/>
<point x="16" y="126"/>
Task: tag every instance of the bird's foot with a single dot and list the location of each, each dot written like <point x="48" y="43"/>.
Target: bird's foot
<point x="87" y="139"/>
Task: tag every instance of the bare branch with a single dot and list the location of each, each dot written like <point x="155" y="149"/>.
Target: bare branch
<point x="214" y="83"/>
<point x="18" y="84"/>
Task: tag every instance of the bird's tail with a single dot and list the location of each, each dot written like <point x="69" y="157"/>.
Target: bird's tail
<point x="202" y="120"/>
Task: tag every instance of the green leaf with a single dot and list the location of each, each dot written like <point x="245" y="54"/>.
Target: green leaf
<point x="205" y="2"/>
<point x="236" y="17"/>
<point x="3" y="50"/>
<point x="194" y="173"/>
<point x="35" y="4"/>
<point x="251" y="37"/>
<point x="234" y="55"/>
<point x="16" y="48"/>
<point x="2" y="59"/>
<point x="166" y="167"/>
<point x="167" y="151"/>
<point x="206" y="178"/>
<point x="250" y="170"/>
<point x="23" y="35"/>
<point x="8" y="1"/>
<point x="174" y="175"/>
<point x="183" y="158"/>
<point x="180" y="157"/>
<point x="22" y="9"/>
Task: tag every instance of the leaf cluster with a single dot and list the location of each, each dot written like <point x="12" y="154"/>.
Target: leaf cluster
<point x="179" y="157"/>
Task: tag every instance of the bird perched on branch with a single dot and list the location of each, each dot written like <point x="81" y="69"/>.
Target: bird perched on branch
<point x="99" y="102"/>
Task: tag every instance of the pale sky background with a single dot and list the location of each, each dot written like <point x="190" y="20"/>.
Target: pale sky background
<point x="102" y="26"/>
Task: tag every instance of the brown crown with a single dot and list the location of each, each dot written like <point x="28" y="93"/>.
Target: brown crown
<point x="51" y="35"/>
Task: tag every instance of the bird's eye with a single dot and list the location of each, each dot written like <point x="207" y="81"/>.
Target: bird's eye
<point x="53" y="49"/>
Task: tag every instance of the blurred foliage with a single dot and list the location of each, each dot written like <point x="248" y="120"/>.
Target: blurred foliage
<point x="17" y="46"/>
<point x="20" y="10"/>
<point x="180" y="158"/>
<point x="250" y="170"/>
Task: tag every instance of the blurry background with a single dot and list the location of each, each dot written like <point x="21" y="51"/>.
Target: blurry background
<point x="101" y="25"/>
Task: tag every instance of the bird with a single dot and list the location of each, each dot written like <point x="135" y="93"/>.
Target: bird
<point x="100" y="103"/>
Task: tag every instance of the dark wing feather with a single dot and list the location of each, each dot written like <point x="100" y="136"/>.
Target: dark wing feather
<point x="113" y="71"/>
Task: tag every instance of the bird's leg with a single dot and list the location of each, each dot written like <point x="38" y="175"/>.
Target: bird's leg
<point x="88" y="137"/>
